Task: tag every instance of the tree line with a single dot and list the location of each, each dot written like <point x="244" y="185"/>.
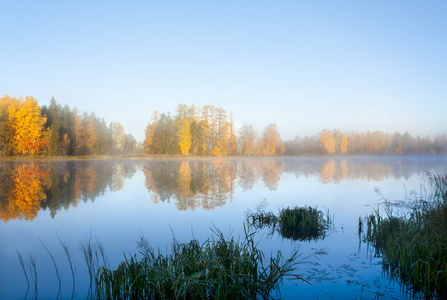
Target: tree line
<point x="28" y="129"/>
<point x="210" y="131"/>
<point x="336" y="142"/>
<point x="207" y="131"/>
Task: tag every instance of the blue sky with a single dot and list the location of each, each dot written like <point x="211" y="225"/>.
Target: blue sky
<point x="304" y="65"/>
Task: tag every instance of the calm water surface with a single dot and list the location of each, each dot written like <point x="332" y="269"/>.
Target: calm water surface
<point x="118" y="201"/>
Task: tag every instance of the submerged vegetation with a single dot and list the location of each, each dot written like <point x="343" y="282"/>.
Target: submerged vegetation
<point x="296" y="223"/>
<point x="414" y="245"/>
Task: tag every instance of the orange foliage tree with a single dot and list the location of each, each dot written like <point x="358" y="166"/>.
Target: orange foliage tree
<point x="150" y="131"/>
<point x="272" y="142"/>
<point x="327" y="141"/>
<point x="184" y="134"/>
<point x="28" y="125"/>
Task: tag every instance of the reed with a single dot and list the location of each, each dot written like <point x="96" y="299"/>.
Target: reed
<point x="219" y="268"/>
<point x="70" y="261"/>
<point x="22" y="263"/>
<point x="414" y="246"/>
<point x="33" y="270"/>
<point x="55" y="267"/>
<point x="303" y="223"/>
<point x="89" y="253"/>
<point x="296" y="223"/>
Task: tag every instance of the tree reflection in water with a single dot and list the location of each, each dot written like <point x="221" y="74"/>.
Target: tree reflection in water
<point x="27" y="187"/>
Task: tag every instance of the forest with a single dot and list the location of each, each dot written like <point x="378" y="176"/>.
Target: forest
<point x="210" y="131"/>
<point x="27" y="129"/>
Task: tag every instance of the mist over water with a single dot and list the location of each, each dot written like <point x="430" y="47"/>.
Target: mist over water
<point x="117" y="201"/>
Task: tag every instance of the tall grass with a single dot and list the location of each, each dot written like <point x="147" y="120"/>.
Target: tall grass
<point x="303" y="223"/>
<point x="296" y="223"/>
<point x="219" y="268"/>
<point x="33" y="270"/>
<point x="55" y="267"/>
<point x="91" y="252"/>
<point x="414" y="245"/>
<point x="23" y="263"/>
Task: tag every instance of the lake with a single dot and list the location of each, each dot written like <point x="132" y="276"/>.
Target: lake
<point x="116" y="202"/>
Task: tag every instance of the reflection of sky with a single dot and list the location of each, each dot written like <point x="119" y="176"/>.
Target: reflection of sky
<point x="118" y="219"/>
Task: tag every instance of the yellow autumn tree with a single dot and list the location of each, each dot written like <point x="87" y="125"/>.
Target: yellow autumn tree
<point x="150" y="131"/>
<point x="28" y="126"/>
<point x="184" y="135"/>
<point x="218" y="150"/>
<point x="327" y="141"/>
<point x="196" y="128"/>
<point x="344" y="144"/>
<point x="271" y="141"/>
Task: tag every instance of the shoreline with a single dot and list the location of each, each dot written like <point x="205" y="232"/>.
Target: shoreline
<point x="192" y="157"/>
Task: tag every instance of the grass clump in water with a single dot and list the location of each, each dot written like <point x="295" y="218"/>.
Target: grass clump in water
<point x="220" y="268"/>
<point x="296" y="223"/>
<point x="303" y="223"/>
<point x="414" y="246"/>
